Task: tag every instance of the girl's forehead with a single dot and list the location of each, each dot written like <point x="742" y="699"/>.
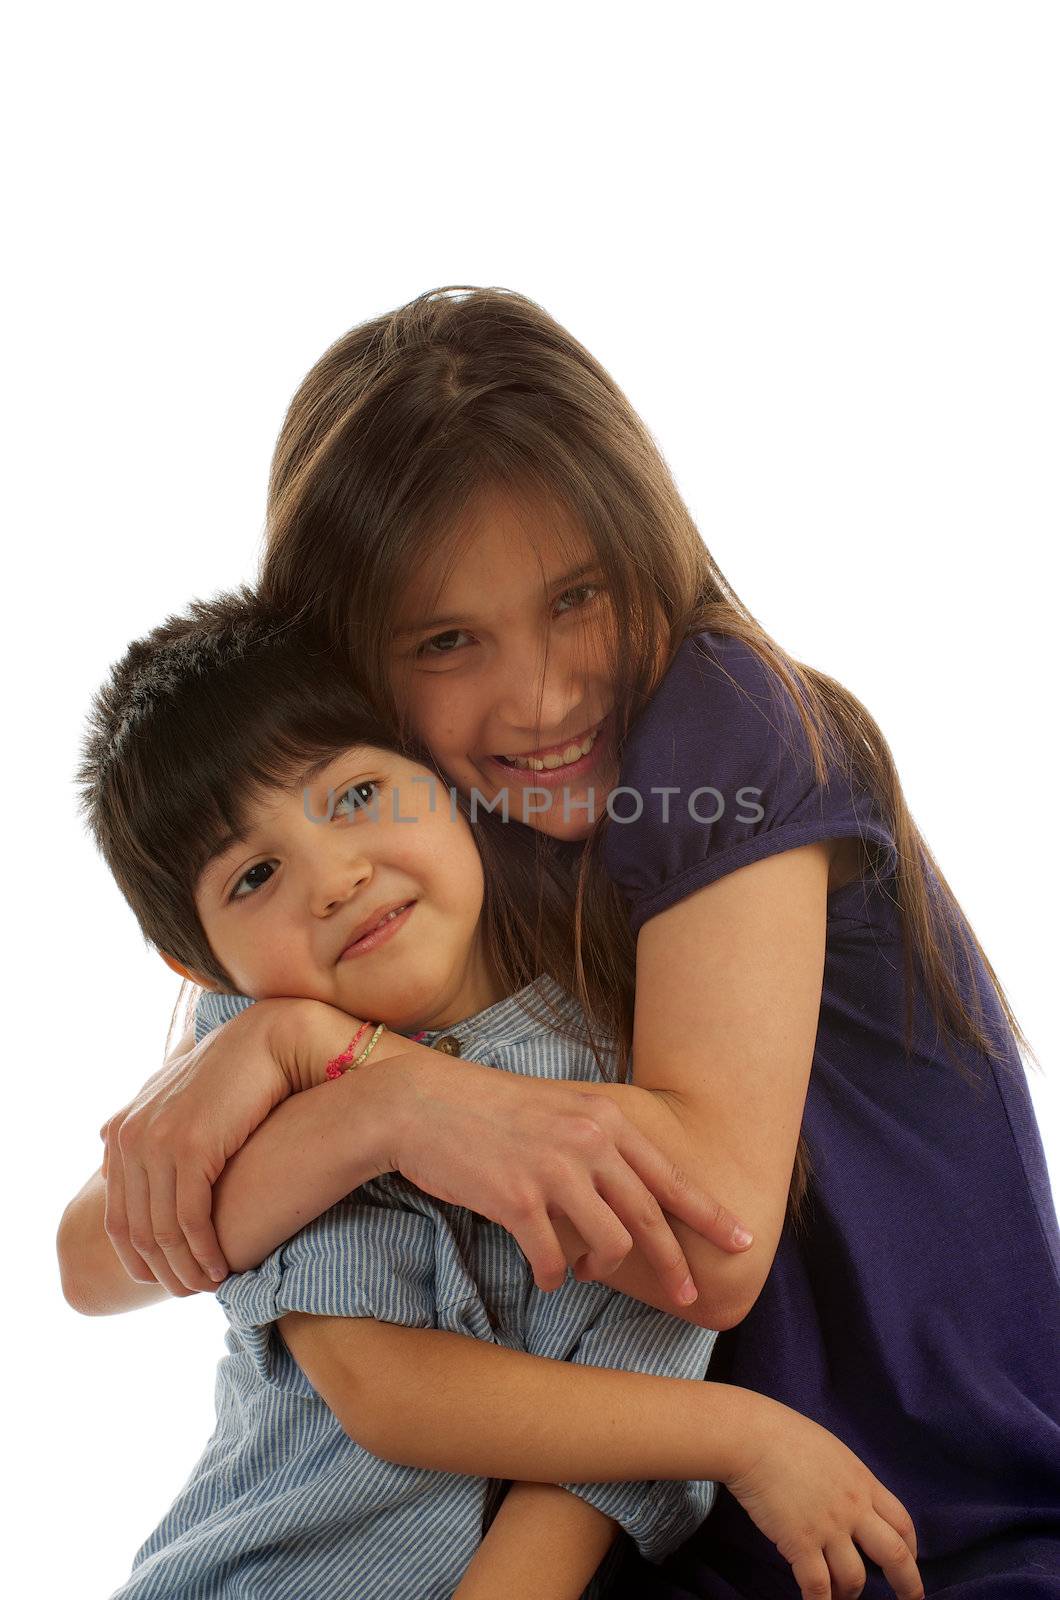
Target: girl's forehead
<point x="502" y="550"/>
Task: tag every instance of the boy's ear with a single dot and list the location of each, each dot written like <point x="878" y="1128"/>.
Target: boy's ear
<point x="187" y="972"/>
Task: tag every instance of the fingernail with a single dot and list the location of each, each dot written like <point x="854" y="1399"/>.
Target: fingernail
<point x="741" y="1236"/>
<point x="687" y="1292"/>
<point x="217" y="1275"/>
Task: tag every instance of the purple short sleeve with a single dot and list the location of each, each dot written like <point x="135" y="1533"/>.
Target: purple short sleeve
<point x="717" y="772"/>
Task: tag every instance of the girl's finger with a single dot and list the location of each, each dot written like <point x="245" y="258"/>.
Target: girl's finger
<point x="141" y="1229"/>
<point x="194" y="1207"/>
<point x="884" y="1544"/>
<point x="116" y="1223"/>
<point x="846" y="1567"/>
<point x="893" y="1511"/>
<point x="536" y="1238"/>
<point x="169" y="1234"/>
<point x="677" y="1194"/>
<point x="810" y="1572"/>
<point x="607" y="1241"/>
<point x="638" y="1211"/>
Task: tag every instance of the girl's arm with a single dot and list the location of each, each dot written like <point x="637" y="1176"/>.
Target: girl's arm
<point x="728" y="999"/>
<point x="543" y="1544"/>
<point x="429" y="1398"/>
<point x="517" y="1151"/>
<point x="727" y="1004"/>
<point x="306" y="1155"/>
<point x="728" y="996"/>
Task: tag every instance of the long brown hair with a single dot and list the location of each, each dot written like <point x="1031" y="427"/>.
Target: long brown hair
<point x="386" y="444"/>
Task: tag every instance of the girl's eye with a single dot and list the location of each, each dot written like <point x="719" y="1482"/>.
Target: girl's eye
<point x="358" y="788"/>
<point x="441" y="643"/>
<point x="438" y="639"/>
<point x="261" y="865"/>
<point x="589" y="589"/>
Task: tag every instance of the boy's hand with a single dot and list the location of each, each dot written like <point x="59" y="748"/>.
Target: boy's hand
<point x="817" y="1502"/>
<point x="165" y="1149"/>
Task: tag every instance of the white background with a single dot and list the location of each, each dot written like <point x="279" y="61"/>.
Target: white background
<point x="816" y="245"/>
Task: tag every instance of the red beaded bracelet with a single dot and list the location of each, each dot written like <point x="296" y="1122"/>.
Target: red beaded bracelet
<point x="338" y="1064"/>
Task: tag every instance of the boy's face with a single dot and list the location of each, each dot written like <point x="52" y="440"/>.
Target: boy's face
<point x="281" y="908"/>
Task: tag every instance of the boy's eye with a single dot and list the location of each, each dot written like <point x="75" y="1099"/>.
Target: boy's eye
<point x="365" y="793"/>
<point x="358" y="789"/>
<point x="247" y="876"/>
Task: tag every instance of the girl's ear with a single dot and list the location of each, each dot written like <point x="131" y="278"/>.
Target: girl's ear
<point x="186" y="972"/>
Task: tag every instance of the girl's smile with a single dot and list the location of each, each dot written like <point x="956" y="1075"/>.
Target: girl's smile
<point x="556" y="765"/>
<point x="502" y="661"/>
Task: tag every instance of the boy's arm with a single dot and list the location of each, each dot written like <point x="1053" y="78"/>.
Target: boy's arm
<point x="426" y="1397"/>
<point x="543" y="1544"/>
<point x="430" y="1398"/>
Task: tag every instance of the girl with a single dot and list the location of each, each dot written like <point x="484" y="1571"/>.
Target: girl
<point x="261" y="850"/>
<point x="466" y="502"/>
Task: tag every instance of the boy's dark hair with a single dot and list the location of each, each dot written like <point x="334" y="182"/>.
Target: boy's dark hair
<point x="196" y="720"/>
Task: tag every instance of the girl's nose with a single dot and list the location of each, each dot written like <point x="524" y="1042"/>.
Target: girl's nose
<point x="532" y="691"/>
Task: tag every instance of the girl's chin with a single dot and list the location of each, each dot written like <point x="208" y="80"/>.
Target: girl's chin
<point x="571" y="823"/>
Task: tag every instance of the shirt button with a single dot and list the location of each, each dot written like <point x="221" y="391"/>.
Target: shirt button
<point x="449" y="1045"/>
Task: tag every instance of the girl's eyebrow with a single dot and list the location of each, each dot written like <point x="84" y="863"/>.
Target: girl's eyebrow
<point x="450" y="621"/>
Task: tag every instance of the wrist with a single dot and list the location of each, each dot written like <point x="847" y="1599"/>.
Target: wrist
<point x="294" y="1030"/>
<point x="748" y="1430"/>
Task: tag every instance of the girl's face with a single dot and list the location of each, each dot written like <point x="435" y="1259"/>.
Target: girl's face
<point x="501" y="658"/>
<point x="282" y="906"/>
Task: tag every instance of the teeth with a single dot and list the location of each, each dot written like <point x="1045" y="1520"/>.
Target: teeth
<point x="562" y="758"/>
<point x="388" y="918"/>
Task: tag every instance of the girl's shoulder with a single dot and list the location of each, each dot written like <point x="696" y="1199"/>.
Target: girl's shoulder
<point x="718" y="771"/>
<point x="718" y="716"/>
<point x="718" y="692"/>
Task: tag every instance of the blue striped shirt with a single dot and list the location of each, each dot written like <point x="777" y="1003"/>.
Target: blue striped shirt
<point x="282" y="1504"/>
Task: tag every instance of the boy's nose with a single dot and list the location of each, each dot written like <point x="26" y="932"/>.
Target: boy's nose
<point x="333" y="888"/>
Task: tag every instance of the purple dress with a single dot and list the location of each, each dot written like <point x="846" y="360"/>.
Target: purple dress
<point x="917" y="1316"/>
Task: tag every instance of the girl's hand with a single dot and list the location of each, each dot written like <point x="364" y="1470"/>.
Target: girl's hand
<point x="814" y="1498"/>
<point x="166" y="1148"/>
<point x="524" y="1151"/>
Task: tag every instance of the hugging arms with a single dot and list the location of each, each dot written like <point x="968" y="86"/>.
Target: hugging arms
<point x="401" y="1397"/>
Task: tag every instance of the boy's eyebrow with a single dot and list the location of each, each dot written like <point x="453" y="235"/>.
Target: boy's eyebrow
<point x="303" y="780"/>
<point x="564" y="582"/>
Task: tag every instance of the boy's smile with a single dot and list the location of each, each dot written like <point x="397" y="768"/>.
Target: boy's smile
<point x="377" y="930"/>
<point x="362" y="890"/>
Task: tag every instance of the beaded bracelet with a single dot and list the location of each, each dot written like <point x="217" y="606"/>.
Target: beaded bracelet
<point x="347" y="1061"/>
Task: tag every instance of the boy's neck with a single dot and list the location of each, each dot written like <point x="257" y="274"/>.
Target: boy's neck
<point x="482" y="988"/>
